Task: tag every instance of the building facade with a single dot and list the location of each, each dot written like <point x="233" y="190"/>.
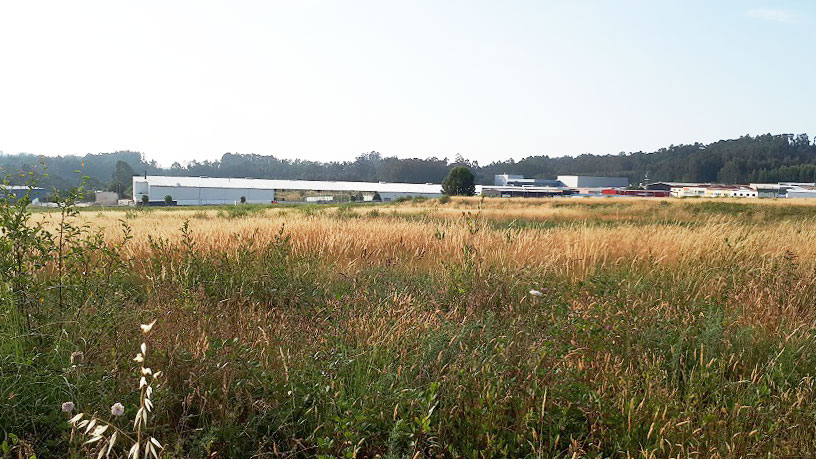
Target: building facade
<point x="192" y="191"/>
<point x="587" y="181"/>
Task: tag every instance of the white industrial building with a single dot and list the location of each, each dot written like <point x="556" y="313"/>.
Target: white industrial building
<point x="194" y="191"/>
<point x="520" y="180"/>
<point x="563" y="181"/>
<point x="801" y="191"/>
<point x="586" y="181"/>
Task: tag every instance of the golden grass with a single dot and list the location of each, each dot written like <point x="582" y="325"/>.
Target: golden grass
<point x="575" y="244"/>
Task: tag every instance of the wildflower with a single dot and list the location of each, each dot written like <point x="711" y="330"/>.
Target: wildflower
<point x="67" y="407"/>
<point x="117" y="409"/>
<point x="536" y="293"/>
<point x="77" y="357"/>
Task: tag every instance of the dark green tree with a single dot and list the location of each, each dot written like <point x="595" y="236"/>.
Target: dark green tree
<point x="459" y="182"/>
<point x="122" y="179"/>
<point x="168" y="199"/>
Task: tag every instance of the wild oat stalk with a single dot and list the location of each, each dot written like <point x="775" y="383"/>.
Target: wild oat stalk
<point x="148" y="377"/>
<point x="105" y="433"/>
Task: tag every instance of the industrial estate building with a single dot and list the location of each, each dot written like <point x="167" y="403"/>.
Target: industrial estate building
<point x="193" y="191"/>
<point x="507" y="186"/>
<point x="588" y="182"/>
<point x="19" y="191"/>
<point x="186" y="191"/>
<point x="753" y="190"/>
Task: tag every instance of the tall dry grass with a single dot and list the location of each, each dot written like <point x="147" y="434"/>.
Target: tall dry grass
<point x="580" y="238"/>
<point x="666" y="329"/>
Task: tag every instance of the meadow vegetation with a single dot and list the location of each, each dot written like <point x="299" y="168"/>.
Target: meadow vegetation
<point x="461" y="328"/>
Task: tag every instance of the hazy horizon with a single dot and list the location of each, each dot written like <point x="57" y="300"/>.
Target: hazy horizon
<point x="326" y="81"/>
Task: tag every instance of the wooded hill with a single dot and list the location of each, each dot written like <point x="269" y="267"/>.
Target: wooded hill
<point x="763" y="158"/>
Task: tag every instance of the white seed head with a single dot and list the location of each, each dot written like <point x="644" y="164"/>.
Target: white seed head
<point x="77" y="357"/>
<point x="147" y="327"/>
<point x="536" y="293"/>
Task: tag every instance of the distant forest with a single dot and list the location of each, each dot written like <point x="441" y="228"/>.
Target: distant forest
<point x="763" y="158"/>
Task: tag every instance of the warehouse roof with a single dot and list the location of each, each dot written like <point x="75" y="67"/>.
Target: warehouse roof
<point x="265" y="184"/>
<point x="19" y="187"/>
<point x="523" y="188"/>
<point x="677" y="184"/>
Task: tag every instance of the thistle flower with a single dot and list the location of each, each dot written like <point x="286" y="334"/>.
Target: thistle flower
<point x="67" y="407"/>
<point x="117" y="409"/>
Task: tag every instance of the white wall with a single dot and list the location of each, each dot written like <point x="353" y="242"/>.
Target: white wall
<point x="802" y="193"/>
<point x="585" y="181"/>
<point x="190" y="196"/>
<point x="106" y="198"/>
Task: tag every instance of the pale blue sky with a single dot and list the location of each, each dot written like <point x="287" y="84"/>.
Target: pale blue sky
<point x="326" y="80"/>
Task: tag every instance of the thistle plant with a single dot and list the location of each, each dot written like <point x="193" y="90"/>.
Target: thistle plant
<point x="105" y="433"/>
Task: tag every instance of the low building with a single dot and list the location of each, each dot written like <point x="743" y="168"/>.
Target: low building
<point x="524" y="191"/>
<point x="520" y="180"/>
<point x="801" y="191"/>
<point x="190" y="191"/>
<point x="587" y="181"/>
<point x="35" y="194"/>
<point x="637" y="193"/>
<point x="730" y="191"/>
<point x="667" y="186"/>
<point x="106" y="198"/>
<point x="688" y="191"/>
<point x="768" y="190"/>
<point x="587" y="192"/>
<point x="714" y="191"/>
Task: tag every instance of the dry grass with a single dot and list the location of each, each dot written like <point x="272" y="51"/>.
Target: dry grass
<point x="643" y="231"/>
<point x="668" y="328"/>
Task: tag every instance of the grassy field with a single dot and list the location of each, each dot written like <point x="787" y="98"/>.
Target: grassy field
<point x="495" y="328"/>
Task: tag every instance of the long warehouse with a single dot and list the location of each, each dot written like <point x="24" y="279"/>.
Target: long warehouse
<point x="194" y="191"/>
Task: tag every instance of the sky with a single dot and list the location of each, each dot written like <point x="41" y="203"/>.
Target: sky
<point x="329" y="80"/>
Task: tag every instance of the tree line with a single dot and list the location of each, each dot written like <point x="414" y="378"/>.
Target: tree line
<point x="762" y="158"/>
